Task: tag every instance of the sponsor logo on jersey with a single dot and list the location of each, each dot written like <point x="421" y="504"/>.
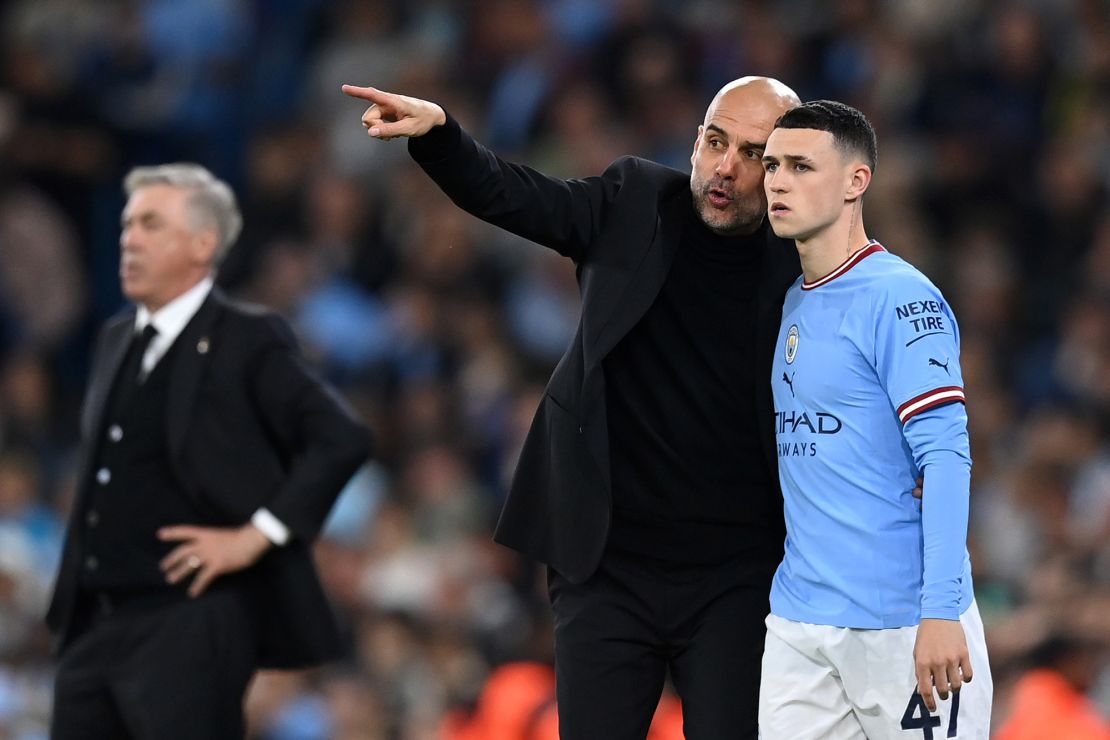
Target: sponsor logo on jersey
<point x="818" y="423"/>
<point x="926" y="318"/>
<point x="789" y="379"/>
<point x="940" y="364"/>
<point x="795" y="422"/>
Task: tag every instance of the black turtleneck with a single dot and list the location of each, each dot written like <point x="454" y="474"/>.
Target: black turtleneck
<point x="690" y="484"/>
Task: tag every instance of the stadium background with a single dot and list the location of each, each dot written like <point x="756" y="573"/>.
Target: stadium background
<point x="993" y="177"/>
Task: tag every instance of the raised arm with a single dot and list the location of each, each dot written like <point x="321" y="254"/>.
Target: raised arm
<point x="564" y="215"/>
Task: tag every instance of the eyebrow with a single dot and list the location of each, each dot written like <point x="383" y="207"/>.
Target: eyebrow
<point x="743" y="144"/>
<point x="141" y="217"/>
<point x="796" y="158"/>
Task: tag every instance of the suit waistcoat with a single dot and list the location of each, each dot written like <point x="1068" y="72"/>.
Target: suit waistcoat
<point x="132" y="491"/>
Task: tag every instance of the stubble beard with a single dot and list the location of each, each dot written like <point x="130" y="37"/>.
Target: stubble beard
<point x="741" y="217"/>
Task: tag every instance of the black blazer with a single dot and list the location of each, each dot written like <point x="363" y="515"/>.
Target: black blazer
<point x="248" y="425"/>
<point x="621" y="229"/>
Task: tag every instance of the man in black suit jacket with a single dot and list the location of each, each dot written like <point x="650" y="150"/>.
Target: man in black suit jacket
<point x="210" y="458"/>
<point x="648" y="481"/>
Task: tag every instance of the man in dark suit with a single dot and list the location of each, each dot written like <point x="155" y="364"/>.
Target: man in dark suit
<point x="210" y="458"/>
<point x="648" y="481"/>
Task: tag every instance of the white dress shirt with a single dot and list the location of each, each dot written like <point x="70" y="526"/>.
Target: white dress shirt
<point x="169" y="321"/>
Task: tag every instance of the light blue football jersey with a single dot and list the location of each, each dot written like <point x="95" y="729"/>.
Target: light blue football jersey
<point x="860" y="354"/>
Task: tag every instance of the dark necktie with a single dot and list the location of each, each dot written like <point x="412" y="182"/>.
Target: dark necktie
<point x="130" y="375"/>
<point x="139" y="346"/>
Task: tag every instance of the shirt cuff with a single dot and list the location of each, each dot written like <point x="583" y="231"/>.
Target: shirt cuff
<point x="271" y="526"/>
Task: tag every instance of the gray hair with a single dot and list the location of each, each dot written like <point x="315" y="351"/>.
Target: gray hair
<point x="211" y="202"/>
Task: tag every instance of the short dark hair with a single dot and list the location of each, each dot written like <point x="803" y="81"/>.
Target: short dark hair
<point x="852" y="132"/>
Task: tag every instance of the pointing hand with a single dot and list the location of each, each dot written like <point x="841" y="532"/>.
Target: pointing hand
<point x="390" y="115"/>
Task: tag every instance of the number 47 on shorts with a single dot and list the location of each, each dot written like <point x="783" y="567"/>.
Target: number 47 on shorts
<point x="918" y="717"/>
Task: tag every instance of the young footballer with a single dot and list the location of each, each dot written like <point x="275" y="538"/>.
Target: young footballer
<point x="873" y="631"/>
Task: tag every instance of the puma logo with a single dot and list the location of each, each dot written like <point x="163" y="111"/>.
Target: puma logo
<point x="790" y="382"/>
<point x="940" y="365"/>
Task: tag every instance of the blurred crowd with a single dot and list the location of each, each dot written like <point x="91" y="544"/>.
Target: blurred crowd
<point x="994" y="174"/>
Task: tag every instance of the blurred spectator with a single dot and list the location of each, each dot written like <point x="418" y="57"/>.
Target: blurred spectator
<point x="41" y="293"/>
<point x="1050" y="699"/>
<point x="27" y="413"/>
<point x="518" y="703"/>
<point x="45" y="50"/>
<point x="24" y="512"/>
<point x="366" y="41"/>
<point x="167" y="76"/>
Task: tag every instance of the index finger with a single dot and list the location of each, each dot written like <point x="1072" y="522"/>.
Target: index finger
<point x="371" y="94"/>
<point x="179" y="532"/>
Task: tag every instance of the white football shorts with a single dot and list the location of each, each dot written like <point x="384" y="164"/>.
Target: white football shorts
<point x="836" y="683"/>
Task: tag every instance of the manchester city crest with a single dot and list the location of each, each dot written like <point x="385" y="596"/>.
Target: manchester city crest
<point x="791" y="344"/>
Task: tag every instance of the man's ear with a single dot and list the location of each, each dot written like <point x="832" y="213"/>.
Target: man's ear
<point x="697" y="143"/>
<point x="859" y="179"/>
<point x="205" y="244"/>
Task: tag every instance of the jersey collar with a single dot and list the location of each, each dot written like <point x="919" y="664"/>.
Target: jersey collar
<point x="854" y="259"/>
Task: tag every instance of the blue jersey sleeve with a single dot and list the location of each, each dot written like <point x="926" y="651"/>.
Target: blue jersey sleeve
<point x="917" y="346"/>
<point x="938" y="439"/>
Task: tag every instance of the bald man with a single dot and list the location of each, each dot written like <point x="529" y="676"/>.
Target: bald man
<point x="648" y="481"/>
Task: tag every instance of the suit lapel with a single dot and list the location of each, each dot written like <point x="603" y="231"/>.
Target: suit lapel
<point x="621" y="304"/>
<point x="628" y="302"/>
<point x="189" y="361"/>
<point x="117" y="338"/>
<point x="112" y="348"/>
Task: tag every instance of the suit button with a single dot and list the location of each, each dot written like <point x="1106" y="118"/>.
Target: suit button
<point x="91" y="563"/>
<point x="115" y="432"/>
<point x="92" y="518"/>
<point x="103" y="476"/>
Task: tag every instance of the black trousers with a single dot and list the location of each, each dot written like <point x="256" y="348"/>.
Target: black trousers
<point x="168" y="672"/>
<point x="618" y="634"/>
